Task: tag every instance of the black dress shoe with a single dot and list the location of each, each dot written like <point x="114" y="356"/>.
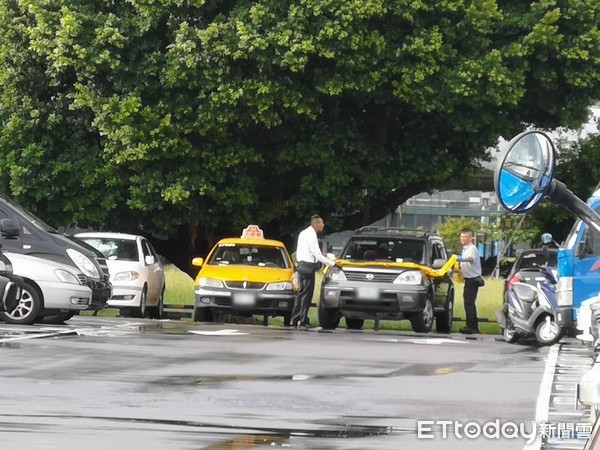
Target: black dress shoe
<point x="467" y="330"/>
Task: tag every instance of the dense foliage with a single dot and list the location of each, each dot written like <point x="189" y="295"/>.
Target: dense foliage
<point x="194" y="118"/>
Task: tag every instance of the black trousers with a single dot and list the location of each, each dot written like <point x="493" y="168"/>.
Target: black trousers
<point x="303" y="299"/>
<point x="469" y="297"/>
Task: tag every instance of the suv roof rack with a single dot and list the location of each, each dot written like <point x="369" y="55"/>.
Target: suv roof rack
<point x="393" y="231"/>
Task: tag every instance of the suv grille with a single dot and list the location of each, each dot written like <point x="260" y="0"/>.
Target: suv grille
<point x="103" y="266"/>
<point x="245" y="285"/>
<point x="82" y="278"/>
<point x="375" y="277"/>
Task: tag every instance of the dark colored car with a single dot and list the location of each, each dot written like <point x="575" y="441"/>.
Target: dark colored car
<point x="389" y="274"/>
<point x="24" y="233"/>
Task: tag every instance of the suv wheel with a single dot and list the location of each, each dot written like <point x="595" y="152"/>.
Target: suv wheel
<point x="423" y="320"/>
<point x="354" y="324"/>
<point x="443" y="320"/>
<point x="328" y="317"/>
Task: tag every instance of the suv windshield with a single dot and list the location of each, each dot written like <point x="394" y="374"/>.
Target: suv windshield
<point x="249" y="255"/>
<point x="384" y="249"/>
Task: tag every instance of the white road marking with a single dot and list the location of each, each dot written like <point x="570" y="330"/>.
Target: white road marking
<point x="543" y="401"/>
<point x="218" y="333"/>
<point x="434" y="341"/>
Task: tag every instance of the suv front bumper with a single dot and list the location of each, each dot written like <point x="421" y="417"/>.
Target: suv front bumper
<point x="101" y="292"/>
<point x="389" y="301"/>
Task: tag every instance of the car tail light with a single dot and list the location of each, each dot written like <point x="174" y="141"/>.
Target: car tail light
<point x="512" y="280"/>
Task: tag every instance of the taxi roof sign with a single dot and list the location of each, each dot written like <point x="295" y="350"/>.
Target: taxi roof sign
<point x="252" y="231"/>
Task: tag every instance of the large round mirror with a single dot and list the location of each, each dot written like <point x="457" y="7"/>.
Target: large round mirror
<point x="525" y="173"/>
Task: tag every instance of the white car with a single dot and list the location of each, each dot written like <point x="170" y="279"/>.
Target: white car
<point x="136" y="274"/>
<point x="50" y="289"/>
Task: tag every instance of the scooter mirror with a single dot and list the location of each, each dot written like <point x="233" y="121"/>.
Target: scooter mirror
<point x="524" y="174"/>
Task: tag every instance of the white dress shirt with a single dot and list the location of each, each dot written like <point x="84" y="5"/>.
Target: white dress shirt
<point x="308" y="248"/>
<point x="470" y="269"/>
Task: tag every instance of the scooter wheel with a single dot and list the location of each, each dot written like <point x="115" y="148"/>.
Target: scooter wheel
<point x="509" y="335"/>
<point x="547" y="331"/>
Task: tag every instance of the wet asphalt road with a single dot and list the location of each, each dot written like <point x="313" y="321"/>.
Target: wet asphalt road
<point x="115" y="383"/>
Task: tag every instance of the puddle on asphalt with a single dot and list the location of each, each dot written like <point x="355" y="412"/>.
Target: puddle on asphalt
<point x="411" y="370"/>
<point x="9" y="345"/>
<point x="252" y="440"/>
<point x="248" y="436"/>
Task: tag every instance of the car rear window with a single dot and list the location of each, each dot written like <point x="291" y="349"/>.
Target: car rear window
<point x="530" y="260"/>
<point x="384" y="249"/>
<point x="249" y="255"/>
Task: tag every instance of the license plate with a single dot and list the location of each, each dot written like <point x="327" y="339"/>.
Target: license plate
<point x="368" y="293"/>
<point x="244" y="299"/>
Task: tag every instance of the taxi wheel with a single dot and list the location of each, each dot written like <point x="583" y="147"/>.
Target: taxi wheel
<point x="203" y="315"/>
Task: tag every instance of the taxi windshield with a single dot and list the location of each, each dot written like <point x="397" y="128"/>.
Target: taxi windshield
<point x="249" y="255"/>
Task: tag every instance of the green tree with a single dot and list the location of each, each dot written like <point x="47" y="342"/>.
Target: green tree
<point x="194" y="118"/>
<point x="451" y="228"/>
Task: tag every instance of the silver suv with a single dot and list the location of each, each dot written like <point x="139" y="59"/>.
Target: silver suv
<point x="387" y="274"/>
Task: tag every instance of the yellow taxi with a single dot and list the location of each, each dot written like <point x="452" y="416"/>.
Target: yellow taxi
<point x="245" y="276"/>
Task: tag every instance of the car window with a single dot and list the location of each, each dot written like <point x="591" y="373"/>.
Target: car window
<point x="115" y="249"/>
<point x="592" y="240"/>
<point x="437" y="251"/>
<point x="249" y="255"/>
<point x="146" y="249"/>
<point x="152" y="251"/>
<point x="529" y="260"/>
<point x="384" y="249"/>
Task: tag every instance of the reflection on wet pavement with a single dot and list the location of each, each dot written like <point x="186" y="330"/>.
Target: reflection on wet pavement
<point x="409" y="370"/>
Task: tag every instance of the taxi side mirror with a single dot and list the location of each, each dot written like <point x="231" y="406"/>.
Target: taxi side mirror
<point x="197" y="262"/>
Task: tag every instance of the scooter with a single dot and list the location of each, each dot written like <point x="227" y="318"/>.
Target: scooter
<point x="530" y="307"/>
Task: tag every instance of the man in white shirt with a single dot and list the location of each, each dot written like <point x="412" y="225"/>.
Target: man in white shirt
<point x="470" y="266"/>
<point x="308" y="254"/>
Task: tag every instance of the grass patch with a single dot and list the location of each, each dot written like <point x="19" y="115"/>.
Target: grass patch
<point x="180" y="286"/>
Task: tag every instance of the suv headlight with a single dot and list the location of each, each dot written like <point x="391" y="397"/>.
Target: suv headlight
<point x="83" y="263"/>
<point x="66" y="277"/>
<point x="336" y="274"/>
<point x="210" y="282"/>
<point x="409" y="277"/>
<point x="281" y="286"/>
